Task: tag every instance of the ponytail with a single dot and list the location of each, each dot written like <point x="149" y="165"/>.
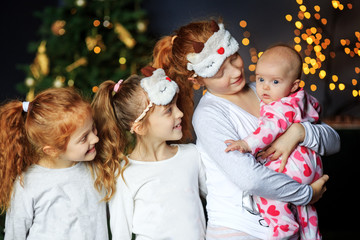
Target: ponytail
<point x="113" y="140"/>
<point x="16" y="152"/>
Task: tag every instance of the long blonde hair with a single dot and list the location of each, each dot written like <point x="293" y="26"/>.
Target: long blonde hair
<point x="114" y="112"/>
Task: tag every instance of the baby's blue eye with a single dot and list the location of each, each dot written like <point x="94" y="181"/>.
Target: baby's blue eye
<point x="276" y="81"/>
<point x="261" y="79"/>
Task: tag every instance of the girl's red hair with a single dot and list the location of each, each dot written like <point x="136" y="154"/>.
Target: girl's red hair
<point x="170" y="54"/>
<point x="51" y="118"/>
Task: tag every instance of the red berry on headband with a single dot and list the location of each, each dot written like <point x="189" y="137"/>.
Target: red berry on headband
<point x="221" y="50"/>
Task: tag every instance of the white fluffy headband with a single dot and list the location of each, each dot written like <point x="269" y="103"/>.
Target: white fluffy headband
<point x="159" y="88"/>
<point x="216" y="49"/>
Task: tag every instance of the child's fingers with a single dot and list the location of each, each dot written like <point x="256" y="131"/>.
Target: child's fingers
<point x="229" y="141"/>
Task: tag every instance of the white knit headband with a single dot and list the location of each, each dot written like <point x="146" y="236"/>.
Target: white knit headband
<point x="160" y="90"/>
<point x="216" y="49"/>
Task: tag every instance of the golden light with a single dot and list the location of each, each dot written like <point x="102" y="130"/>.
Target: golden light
<point x="342" y="42"/>
<point x="302" y="84"/>
<point x="304" y="36"/>
<point x="122" y="60"/>
<point x="312" y="71"/>
<point x="245" y="41"/>
<point x="96" y="23"/>
<point x="297" y="40"/>
<point x="317" y="48"/>
<point x="349" y="5"/>
<point x="341" y="7"/>
<point x="317" y="16"/>
<point x="307" y="15"/>
<point x="354" y="82"/>
<point x="309" y="40"/>
<point x="313" y="61"/>
<point x="95" y="89"/>
<point x="357" y="70"/>
<point x="252" y="67"/>
<point x="341" y="86"/>
<point x="313" y="87"/>
<point x="97" y="49"/>
<point x="335" y="78"/>
<point x="317" y="8"/>
<point x="299" y="2"/>
<point x="335" y="4"/>
<point x="355" y="93"/>
<point x="322" y="74"/>
<point x="298" y="24"/>
<point x="332" y="86"/>
<point x="297" y="47"/>
<point x="243" y="23"/>
<point x="306" y="70"/>
<point x="313" y="30"/>
<point x="302" y="8"/>
<point x="307" y="60"/>
<point x="246" y="34"/>
<point x="347" y="50"/>
<point x="259" y="54"/>
<point x="357" y="34"/>
<point x="322" y="57"/>
<point x="288" y="17"/>
<point x="254" y="59"/>
<point x="324" y="21"/>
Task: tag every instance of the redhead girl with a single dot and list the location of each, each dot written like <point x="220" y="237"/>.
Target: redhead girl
<point x="46" y="167"/>
<point x="205" y="53"/>
<point x="157" y="194"/>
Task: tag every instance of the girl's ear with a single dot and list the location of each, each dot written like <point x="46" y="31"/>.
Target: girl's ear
<point x="295" y="85"/>
<point x="51" y="151"/>
<point x="139" y="128"/>
<point x="194" y="80"/>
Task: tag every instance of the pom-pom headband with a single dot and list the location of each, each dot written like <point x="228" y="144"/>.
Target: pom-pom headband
<point x="159" y="88"/>
<point x="208" y="57"/>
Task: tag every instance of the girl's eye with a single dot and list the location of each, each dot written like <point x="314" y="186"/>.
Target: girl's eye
<point x="276" y="81"/>
<point x="261" y="79"/>
<point x="83" y="139"/>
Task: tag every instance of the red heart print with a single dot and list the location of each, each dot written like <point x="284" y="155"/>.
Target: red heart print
<point x="272" y="211"/>
<point x="285" y="228"/>
<point x="263" y="201"/>
<point x="313" y="220"/>
<point x="267" y="140"/>
<point x="167" y="78"/>
<point x="307" y="171"/>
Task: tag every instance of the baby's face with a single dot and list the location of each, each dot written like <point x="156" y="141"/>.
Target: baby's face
<point x="274" y="79"/>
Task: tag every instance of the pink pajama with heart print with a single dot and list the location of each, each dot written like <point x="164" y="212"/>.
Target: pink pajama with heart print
<point x="304" y="165"/>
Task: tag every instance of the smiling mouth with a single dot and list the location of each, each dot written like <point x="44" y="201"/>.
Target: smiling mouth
<point x="91" y="150"/>
<point x="237" y="81"/>
<point x="178" y="126"/>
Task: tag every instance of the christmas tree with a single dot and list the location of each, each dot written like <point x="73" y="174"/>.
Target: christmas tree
<point x="84" y="42"/>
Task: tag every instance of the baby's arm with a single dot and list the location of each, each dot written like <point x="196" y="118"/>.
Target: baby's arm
<point x="239" y="145"/>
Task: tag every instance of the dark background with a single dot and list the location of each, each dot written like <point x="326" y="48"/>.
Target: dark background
<point x="267" y="25"/>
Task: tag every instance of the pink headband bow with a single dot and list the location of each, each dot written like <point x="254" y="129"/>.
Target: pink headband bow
<point x="117" y="86"/>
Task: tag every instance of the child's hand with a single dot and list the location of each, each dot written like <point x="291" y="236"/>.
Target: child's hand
<point x="239" y="145"/>
<point x="318" y="188"/>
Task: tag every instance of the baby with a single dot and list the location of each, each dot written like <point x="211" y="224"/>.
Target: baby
<point x="283" y="102"/>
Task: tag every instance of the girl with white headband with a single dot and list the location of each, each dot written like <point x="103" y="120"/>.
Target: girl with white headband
<point x="205" y="53"/>
<point x="157" y="195"/>
<point x="47" y="166"/>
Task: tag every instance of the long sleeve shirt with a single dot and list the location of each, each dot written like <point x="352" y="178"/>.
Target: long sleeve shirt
<point x="160" y="200"/>
<point x="230" y="176"/>
<point x="56" y="204"/>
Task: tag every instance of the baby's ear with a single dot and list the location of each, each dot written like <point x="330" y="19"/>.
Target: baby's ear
<point x="295" y="85"/>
